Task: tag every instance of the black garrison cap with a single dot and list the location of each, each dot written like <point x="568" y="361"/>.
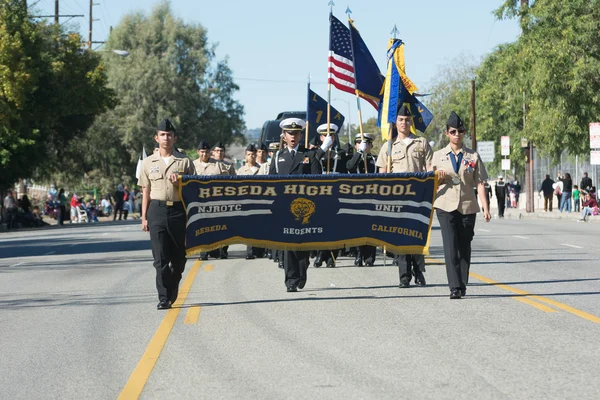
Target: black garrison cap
<point x="166" y="125"/>
<point x="262" y="146"/>
<point x="203" y="145"/>
<point x="251" y="147"/>
<point x="455" y="122"/>
<point x="404" y="111"/>
<point x="219" y="144"/>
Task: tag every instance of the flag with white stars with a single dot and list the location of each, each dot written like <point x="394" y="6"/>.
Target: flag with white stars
<point x="340" y="61"/>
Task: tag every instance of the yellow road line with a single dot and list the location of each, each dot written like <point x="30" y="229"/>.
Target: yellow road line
<point x="191" y="318"/>
<point x="139" y="377"/>
<point x="554" y="303"/>
<point x="208" y="267"/>
<point x="534" y="304"/>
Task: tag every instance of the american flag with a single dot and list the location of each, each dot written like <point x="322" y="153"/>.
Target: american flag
<point x="340" y="62"/>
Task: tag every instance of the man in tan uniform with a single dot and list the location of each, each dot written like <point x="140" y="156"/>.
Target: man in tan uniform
<point x="218" y="155"/>
<point x="204" y="165"/>
<point x="251" y="168"/>
<point x="163" y="214"/>
<point x="410" y="153"/>
<point x="262" y="153"/>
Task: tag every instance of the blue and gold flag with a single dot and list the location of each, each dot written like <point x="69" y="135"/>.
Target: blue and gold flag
<point x="397" y="87"/>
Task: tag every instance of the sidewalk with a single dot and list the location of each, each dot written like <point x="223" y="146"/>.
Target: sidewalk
<point x="513" y="213"/>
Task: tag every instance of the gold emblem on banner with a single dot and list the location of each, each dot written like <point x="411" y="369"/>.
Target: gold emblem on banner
<point x="302" y="209"/>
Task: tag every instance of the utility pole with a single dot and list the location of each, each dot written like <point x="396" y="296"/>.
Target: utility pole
<point x="529" y="185"/>
<point x="56" y="12"/>
<point x="473" y="124"/>
<point x="90" y="41"/>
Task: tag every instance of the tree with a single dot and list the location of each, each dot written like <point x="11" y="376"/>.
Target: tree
<point x="171" y="72"/>
<point x="558" y="66"/>
<point x="450" y="91"/>
<point x="51" y="91"/>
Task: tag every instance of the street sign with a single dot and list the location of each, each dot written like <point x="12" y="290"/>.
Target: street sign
<point x="505" y="145"/>
<point x="595" y="157"/>
<point x="595" y="135"/>
<point x="486" y="151"/>
<point x="506" y="164"/>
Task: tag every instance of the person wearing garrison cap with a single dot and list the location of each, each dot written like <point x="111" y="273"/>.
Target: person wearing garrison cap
<point x="356" y="165"/>
<point x="163" y="214"/>
<point x="218" y="155"/>
<point x="251" y="167"/>
<point x="410" y="153"/>
<point x="459" y="169"/>
<point x="204" y="165"/>
<point x="262" y="154"/>
<point x="294" y="159"/>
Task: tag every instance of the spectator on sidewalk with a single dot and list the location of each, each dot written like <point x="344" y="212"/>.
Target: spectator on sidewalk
<point x="590" y="206"/>
<point x="62" y="206"/>
<point x="558" y="185"/>
<point x="586" y="183"/>
<point x="567" y="188"/>
<point x="576" y="199"/>
<point x="501" y="194"/>
<point x="517" y="187"/>
<point x="10" y="205"/>
<point x="74" y="203"/>
<point x="547" y="189"/>
<point x="119" y="200"/>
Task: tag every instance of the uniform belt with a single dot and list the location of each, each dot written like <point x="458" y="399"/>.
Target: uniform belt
<point x="166" y="203"/>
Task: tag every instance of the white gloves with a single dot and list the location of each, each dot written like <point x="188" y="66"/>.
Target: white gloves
<point x="363" y="146"/>
<point x="327" y="143"/>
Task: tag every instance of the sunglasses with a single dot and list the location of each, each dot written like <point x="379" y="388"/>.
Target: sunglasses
<point x="454" y="132"/>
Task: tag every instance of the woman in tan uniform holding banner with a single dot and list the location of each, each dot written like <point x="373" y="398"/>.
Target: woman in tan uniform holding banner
<point x="459" y="170"/>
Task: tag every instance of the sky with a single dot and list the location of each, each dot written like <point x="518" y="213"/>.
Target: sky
<point x="273" y="46"/>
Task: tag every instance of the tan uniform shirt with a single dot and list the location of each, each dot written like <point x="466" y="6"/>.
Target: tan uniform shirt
<point x="459" y="196"/>
<point x="155" y="175"/>
<point x="225" y="166"/>
<point x="249" y="170"/>
<point x="264" y="168"/>
<point x="413" y="157"/>
<point x="209" y="168"/>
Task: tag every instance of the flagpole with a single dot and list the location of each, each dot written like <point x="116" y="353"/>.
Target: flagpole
<point x="360" y="124"/>
<point x="307" y="109"/>
<point x="331" y="4"/>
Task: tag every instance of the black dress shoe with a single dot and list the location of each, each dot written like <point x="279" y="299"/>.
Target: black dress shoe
<point x="455" y="294"/>
<point x="301" y="285"/>
<point x="280" y="265"/>
<point x="420" y="279"/>
<point x="270" y="255"/>
<point x="250" y="257"/>
<point x="404" y="284"/>
<point x="163" y="305"/>
<point x="276" y="259"/>
<point x="368" y="264"/>
<point x="358" y="262"/>
<point x="318" y="264"/>
<point x="463" y="292"/>
<point x="204" y="257"/>
<point x="331" y="263"/>
<point x="292" y="289"/>
<point x="223" y="256"/>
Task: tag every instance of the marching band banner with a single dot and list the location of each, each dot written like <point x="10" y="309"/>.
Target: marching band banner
<point x="309" y="212"/>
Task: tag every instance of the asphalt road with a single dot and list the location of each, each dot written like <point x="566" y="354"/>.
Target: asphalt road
<point x="78" y="320"/>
